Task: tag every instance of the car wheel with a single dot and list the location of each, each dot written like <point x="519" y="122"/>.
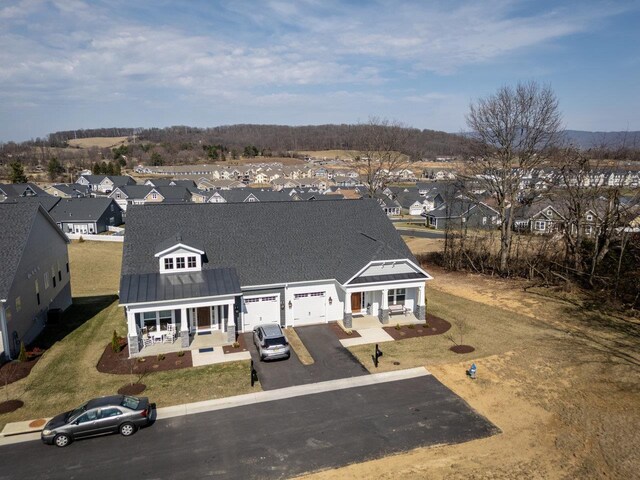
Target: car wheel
<point x="62" y="440"/>
<point x="127" y="429"/>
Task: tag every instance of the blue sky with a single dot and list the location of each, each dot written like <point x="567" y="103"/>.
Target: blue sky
<point x="71" y="64"/>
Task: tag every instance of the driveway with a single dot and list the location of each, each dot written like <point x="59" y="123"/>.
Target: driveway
<point x="332" y="361"/>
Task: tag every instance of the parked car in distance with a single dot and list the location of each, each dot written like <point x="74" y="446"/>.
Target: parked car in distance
<point x="271" y="342"/>
<point x="99" y="416"/>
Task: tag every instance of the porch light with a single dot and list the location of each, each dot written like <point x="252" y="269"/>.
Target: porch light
<point x="290" y="304"/>
<point x="330" y="300"/>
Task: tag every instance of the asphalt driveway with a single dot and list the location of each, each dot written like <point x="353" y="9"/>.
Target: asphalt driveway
<point x="332" y="361"/>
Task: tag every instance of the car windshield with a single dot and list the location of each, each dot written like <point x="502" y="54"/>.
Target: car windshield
<point x="130" y="402"/>
<point x="277" y="341"/>
<point x="76" y="412"/>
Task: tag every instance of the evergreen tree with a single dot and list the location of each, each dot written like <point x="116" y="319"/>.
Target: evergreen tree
<point x="17" y="173"/>
<point x="96" y="169"/>
<point x="55" y="169"/>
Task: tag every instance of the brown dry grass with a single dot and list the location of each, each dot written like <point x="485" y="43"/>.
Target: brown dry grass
<point x="100" y="142"/>
<point x="298" y="347"/>
<point x="95" y="268"/>
<point x="560" y="380"/>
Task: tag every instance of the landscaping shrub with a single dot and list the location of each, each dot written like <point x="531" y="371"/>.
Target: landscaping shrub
<point x="411" y="325"/>
<point x="181" y="353"/>
<point x="161" y="356"/>
<point x="236" y="345"/>
<point x="115" y="342"/>
<point x="81" y="240"/>
<point x="397" y="327"/>
<point x="22" y="356"/>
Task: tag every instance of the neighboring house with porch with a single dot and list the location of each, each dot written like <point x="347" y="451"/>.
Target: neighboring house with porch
<point x="541" y="219"/>
<point x="86" y="215"/>
<point x="226" y="268"/>
<point x="34" y="278"/>
<point x="462" y="212"/>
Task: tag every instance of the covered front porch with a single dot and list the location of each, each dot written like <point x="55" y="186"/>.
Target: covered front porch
<point x="163" y="329"/>
<point x="367" y="306"/>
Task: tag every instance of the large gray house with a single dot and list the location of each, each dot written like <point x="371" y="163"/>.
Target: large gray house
<point x="203" y="268"/>
<point x="86" y="215"/>
<point x="34" y="277"/>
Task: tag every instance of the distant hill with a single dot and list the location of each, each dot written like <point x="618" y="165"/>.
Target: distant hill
<point x="609" y="140"/>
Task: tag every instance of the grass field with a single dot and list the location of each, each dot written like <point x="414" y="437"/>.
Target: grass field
<point x="95" y="268"/>
<point x="100" y="142"/>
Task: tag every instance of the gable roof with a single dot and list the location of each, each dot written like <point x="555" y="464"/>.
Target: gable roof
<point x="16" y="221"/>
<point x="18" y="189"/>
<point x="268" y="242"/>
<point x="81" y="209"/>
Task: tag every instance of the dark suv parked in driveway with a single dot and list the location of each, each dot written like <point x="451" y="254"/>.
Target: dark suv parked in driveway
<point x="116" y="413"/>
<point x="271" y="342"/>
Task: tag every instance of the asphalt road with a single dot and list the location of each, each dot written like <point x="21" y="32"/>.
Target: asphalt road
<point x="277" y="439"/>
<point x="331" y="361"/>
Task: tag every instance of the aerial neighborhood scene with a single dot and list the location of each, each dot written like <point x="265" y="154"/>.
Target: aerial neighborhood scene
<point x="323" y="240"/>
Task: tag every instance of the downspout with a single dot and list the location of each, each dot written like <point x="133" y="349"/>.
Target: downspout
<point x="5" y="333"/>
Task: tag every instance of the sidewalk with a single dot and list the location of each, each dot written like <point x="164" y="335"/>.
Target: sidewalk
<point x="20" y="432"/>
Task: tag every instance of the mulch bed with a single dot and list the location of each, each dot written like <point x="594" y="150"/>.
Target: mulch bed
<point x="340" y="333"/>
<point x="17" y="370"/>
<point x="462" y="349"/>
<point x="129" y="389"/>
<point x="10" y="406"/>
<point x="120" y="363"/>
<point x="241" y="348"/>
<point x="434" y="326"/>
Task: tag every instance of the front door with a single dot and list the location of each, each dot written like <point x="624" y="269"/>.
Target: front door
<point x="204" y="318"/>
<point x="356" y="302"/>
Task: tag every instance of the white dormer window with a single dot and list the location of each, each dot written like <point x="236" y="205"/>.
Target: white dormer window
<point x="180" y="257"/>
<point x="589" y="217"/>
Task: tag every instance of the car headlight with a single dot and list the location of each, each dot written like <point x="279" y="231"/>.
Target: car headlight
<point x="47" y="432"/>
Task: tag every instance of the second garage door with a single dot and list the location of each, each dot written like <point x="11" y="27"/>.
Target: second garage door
<point x="263" y="309"/>
<point x="309" y="308"/>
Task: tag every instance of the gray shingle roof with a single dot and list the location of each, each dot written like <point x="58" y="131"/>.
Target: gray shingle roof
<point x="80" y="209"/>
<point x="268" y="242"/>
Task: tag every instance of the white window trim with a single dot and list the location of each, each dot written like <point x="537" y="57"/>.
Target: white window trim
<point x="175" y="268"/>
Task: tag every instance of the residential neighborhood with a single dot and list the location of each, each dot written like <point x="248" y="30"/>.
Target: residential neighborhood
<point x="319" y="240"/>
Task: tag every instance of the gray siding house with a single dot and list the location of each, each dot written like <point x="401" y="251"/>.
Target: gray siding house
<point x="86" y="215"/>
<point x="34" y="277"/>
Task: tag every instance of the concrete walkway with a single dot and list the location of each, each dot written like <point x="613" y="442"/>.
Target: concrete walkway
<point x="217" y="356"/>
<point x="368" y="335"/>
<point x="253" y="398"/>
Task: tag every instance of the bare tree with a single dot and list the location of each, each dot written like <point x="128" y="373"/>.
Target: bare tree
<point x="514" y="130"/>
<point x="380" y="144"/>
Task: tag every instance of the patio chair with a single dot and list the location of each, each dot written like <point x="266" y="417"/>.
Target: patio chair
<point x="147" y="341"/>
<point x="167" y="338"/>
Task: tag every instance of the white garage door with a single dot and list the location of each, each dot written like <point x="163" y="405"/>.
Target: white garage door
<point x="263" y="309"/>
<point x="309" y="308"/>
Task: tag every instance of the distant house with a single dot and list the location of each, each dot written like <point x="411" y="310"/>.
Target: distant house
<point x="248" y="195"/>
<point x="462" y="212"/>
<point x="390" y="206"/>
<point x="104" y="183"/>
<point x="143" y="194"/>
<point x="34" y="278"/>
<point x="15" y="190"/>
<point x="68" y="190"/>
<point x="222" y="184"/>
<point x="86" y="215"/>
<point x="540" y="218"/>
<point x="169" y="182"/>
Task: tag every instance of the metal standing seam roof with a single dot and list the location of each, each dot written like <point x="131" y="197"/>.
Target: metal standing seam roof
<point x="153" y="287"/>
<point x="268" y="242"/>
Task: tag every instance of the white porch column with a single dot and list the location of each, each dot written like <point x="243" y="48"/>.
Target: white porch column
<point x="348" y="315"/>
<point x="184" y="328"/>
<point x="383" y="313"/>
<point x="230" y="322"/>
<point x="420" y="310"/>
<point x="133" y="340"/>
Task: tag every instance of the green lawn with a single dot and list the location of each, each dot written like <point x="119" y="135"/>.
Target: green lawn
<point x="490" y="330"/>
<point x="67" y="375"/>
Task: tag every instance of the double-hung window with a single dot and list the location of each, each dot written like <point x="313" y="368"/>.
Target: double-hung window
<point x="396" y="296"/>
